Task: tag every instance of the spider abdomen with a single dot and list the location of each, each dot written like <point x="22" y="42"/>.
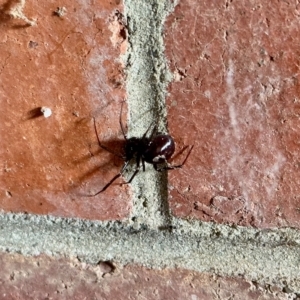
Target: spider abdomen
<point x="160" y="149"/>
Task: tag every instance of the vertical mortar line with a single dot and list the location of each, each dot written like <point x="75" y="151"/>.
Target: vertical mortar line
<point x="147" y="80"/>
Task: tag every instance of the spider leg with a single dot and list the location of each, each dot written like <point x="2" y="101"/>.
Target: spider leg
<point x="123" y="128"/>
<point x="111" y="181"/>
<point x="106" y="186"/>
<point x="143" y="164"/>
<point x="133" y="175"/>
<point x="104" y="147"/>
<point x="170" y="167"/>
<point x="153" y="131"/>
<point x="138" y="159"/>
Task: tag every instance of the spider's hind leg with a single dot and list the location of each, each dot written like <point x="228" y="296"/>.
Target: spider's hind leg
<point x="111" y="181"/>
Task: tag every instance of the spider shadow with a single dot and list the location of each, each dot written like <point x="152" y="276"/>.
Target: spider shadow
<point x="33" y="114"/>
<point x="113" y="150"/>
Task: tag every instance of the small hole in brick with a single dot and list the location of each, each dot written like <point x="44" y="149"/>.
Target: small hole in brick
<point x="8" y="194"/>
<point x="106" y="267"/>
<point x="32" y="44"/>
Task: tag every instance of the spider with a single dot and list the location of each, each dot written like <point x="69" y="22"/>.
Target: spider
<point x="156" y="149"/>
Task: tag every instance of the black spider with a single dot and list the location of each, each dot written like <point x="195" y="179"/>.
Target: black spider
<point x="156" y="149"/>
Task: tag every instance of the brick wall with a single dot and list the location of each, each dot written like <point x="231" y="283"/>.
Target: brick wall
<point x="221" y="76"/>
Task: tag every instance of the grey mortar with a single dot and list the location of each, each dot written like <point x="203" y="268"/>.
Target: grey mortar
<point x="264" y="256"/>
<point x="147" y="80"/>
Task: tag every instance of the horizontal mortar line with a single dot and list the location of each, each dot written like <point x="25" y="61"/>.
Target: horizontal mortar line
<point x="204" y="250"/>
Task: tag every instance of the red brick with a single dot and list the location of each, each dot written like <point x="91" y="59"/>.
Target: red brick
<point x="46" y="278"/>
<point x="235" y="96"/>
<point x="71" y="64"/>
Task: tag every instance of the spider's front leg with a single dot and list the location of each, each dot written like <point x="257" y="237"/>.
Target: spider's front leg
<point x="171" y="167"/>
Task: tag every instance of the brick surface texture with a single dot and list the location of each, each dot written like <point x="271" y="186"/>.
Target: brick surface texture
<point x="236" y="98"/>
<point x="69" y="63"/>
<point x="45" y="278"/>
